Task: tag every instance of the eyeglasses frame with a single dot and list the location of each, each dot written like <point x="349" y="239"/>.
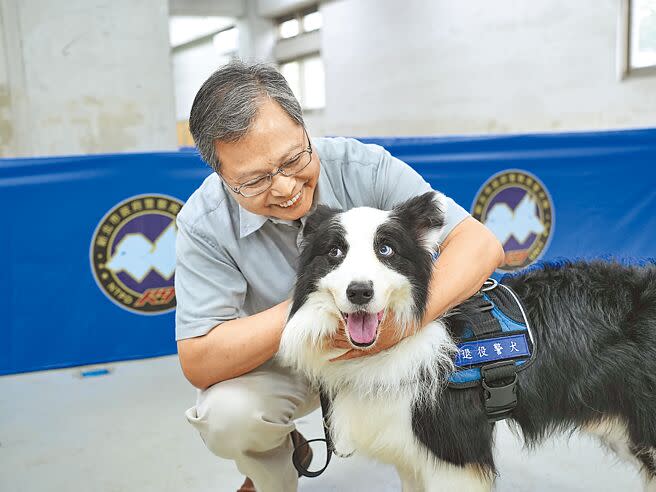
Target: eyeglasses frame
<point x="270" y="176"/>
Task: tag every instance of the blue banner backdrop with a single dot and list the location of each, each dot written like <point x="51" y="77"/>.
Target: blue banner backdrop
<point x="71" y="224"/>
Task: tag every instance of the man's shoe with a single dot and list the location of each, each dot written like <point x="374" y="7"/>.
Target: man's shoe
<point x="247" y="486"/>
<point x="305" y="454"/>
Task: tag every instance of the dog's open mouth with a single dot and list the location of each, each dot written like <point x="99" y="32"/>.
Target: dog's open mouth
<point x="362" y="327"/>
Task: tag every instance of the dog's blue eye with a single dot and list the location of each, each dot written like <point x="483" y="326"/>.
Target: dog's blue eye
<point x="385" y="250"/>
<point x="335" y="253"/>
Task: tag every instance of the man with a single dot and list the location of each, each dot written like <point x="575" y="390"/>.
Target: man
<point x="237" y="246"/>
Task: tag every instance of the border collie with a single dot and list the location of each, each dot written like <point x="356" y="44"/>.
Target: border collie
<point x="594" y="371"/>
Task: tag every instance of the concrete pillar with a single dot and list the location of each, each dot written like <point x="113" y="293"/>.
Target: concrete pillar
<point x="257" y="34"/>
<point x="84" y="77"/>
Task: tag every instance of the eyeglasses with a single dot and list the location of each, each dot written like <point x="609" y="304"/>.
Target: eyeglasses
<point x="259" y="185"/>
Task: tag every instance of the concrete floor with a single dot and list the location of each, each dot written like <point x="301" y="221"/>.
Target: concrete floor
<point x="126" y="432"/>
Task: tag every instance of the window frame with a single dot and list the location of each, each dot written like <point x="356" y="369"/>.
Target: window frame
<point x="298" y="16"/>
<point x="624" y="68"/>
<point x="301" y="79"/>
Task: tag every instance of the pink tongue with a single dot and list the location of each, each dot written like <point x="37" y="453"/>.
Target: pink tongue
<point x="362" y="327"/>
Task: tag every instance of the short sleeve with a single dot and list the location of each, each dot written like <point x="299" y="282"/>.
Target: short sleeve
<point x="395" y="182"/>
<point x="209" y="288"/>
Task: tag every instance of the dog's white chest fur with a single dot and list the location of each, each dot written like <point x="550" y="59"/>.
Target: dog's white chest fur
<point x="377" y="426"/>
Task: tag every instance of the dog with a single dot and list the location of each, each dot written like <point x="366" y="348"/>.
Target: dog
<point x="594" y="324"/>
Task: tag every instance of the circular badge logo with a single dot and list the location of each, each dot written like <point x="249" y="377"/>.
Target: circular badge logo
<point x="517" y="208"/>
<point x="133" y="253"/>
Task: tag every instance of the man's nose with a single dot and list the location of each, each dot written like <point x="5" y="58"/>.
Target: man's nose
<point x="360" y="292"/>
<point x="283" y="186"/>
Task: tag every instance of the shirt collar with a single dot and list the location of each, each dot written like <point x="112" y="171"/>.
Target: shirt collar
<point x="249" y="222"/>
<point x="323" y="195"/>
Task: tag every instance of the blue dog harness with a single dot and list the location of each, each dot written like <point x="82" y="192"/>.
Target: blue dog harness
<point x="495" y="342"/>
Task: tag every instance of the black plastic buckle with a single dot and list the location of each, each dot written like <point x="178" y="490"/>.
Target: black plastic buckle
<point x="500" y="400"/>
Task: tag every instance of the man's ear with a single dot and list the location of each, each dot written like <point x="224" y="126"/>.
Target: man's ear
<point x="423" y="213"/>
<point x="318" y="217"/>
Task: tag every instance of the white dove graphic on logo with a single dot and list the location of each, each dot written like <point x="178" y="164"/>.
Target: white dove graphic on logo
<point x="521" y="222"/>
<point x="136" y="255"/>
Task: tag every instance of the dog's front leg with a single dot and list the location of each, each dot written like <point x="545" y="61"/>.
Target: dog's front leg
<point x="410" y="482"/>
<point x="446" y="477"/>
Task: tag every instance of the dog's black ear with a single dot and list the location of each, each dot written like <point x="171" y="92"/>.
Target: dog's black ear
<point x="316" y="218"/>
<point x="422" y="213"/>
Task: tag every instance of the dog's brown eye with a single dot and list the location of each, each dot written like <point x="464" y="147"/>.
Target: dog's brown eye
<point x="335" y="253"/>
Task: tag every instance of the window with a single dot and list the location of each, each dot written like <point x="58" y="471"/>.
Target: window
<point x="298" y="53"/>
<point x="301" y="22"/>
<point x="642" y="43"/>
<point x="312" y="21"/>
<point x="305" y="77"/>
<point x="638" y="37"/>
<point x="289" y="28"/>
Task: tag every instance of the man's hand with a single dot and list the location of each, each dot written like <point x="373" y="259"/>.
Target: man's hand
<point x="388" y="336"/>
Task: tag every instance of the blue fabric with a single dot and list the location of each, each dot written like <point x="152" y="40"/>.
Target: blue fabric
<point x="507" y="324"/>
<point x="491" y="350"/>
<point x="52" y="313"/>
<point x="463" y="359"/>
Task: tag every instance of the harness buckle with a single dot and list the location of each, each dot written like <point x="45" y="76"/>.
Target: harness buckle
<point x="499" y="400"/>
<point x="488" y="285"/>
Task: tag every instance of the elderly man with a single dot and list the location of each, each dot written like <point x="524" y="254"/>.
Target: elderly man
<point x="237" y="246"/>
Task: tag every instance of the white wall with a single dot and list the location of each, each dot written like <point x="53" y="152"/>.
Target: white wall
<point x="85" y="76"/>
<point x="442" y="67"/>
<point x="191" y="67"/>
<point x="6" y="128"/>
<point x="193" y="63"/>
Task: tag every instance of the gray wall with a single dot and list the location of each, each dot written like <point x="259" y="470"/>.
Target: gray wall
<point x="442" y="67"/>
<point x="85" y="76"/>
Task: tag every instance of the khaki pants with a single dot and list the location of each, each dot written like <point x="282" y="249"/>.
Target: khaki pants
<point x="248" y="420"/>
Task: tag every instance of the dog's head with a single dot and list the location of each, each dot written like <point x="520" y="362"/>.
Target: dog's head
<point x="364" y="264"/>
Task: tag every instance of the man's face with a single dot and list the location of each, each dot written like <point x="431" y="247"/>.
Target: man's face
<point x="273" y="139"/>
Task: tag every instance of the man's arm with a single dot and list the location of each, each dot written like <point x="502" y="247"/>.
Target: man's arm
<point x="469" y="255"/>
<point x="215" y="340"/>
<point x="234" y="348"/>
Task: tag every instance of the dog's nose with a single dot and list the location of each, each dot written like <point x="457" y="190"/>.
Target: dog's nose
<point x="360" y="292"/>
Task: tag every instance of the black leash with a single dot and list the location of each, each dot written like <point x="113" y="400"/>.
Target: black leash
<point x="330" y="447"/>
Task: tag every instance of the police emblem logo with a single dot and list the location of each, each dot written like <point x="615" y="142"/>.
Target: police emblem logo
<point x="133" y="253"/>
<point x="518" y="209"/>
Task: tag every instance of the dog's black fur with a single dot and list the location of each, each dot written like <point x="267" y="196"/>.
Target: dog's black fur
<point x="595" y="329"/>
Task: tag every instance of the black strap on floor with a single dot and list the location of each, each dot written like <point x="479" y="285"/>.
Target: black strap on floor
<point x="330" y="447"/>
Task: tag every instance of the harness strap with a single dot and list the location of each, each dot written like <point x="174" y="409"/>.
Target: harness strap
<point x="484" y="324"/>
<point x="499" y="383"/>
<point x="494" y="343"/>
<point x="330" y="447"/>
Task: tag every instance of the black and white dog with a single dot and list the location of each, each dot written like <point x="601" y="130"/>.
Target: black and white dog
<point x="595" y="370"/>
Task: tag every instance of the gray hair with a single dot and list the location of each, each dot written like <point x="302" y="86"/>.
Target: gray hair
<point x="227" y="103"/>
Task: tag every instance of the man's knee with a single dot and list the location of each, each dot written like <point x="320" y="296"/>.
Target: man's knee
<point x="232" y="420"/>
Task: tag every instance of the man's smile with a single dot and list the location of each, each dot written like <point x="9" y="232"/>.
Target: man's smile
<point x="292" y="200"/>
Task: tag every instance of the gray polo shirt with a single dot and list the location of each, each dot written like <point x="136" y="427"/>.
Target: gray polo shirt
<point x="232" y="263"/>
